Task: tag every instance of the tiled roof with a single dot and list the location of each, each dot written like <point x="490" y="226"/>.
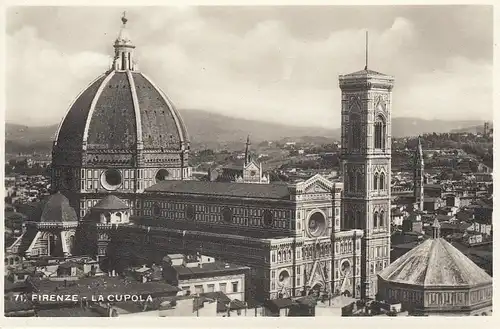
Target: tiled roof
<point x="267" y="191"/>
<point x="280" y="303"/>
<point x="157" y="117"/>
<point x="211" y="268"/>
<point x="112" y="122"/>
<point x="111" y="202"/>
<point x="435" y="262"/>
<point x="105" y="285"/>
<point x="218" y="295"/>
<point x="73" y="125"/>
<point x="112" y="125"/>
<point x="237" y="305"/>
<point x="365" y="73"/>
<point x="57" y="209"/>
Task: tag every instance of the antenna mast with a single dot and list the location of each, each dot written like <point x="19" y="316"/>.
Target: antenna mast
<point x="366" y="51"/>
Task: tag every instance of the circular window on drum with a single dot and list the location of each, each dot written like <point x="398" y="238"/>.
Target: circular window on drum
<point x="268" y="218"/>
<point x="284" y="277"/>
<point x="190" y="212"/>
<point x="227" y="215"/>
<point x="162" y="175"/>
<point x="345" y="267"/>
<point x="317" y="224"/>
<point x="111" y="179"/>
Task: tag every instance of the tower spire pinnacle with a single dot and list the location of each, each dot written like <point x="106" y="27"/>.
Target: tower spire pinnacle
<point x="366" y="51"/>
<point x="419" y="148"/>
<point x="247" y="155"/>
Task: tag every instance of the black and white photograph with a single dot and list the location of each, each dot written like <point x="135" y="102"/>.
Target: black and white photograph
<point x="248" y="161"/>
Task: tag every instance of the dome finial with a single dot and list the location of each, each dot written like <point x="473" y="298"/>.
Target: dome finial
<point x="124" y="18"/>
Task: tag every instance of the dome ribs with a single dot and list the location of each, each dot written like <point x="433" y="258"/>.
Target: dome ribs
<point x="71" y="130"/>
<point x="435" y="263"/>
<point x="113" y="124"/>
<point x="157" y="117"/>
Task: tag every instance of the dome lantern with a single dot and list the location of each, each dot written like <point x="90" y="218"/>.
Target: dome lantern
<point x="124" y="49"/>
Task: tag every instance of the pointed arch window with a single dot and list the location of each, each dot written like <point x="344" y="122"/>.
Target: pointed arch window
<point x="375" y="181"/>
<point x="355" y="136"/>
<point x="357" y="223"/>
<point x="359" y="182"/>
<point x="348" y="220"/>
<point x="379" y="134"/>
<point x="381" y="219"/>
<point x="375" y="219"/>
<point x="352" y="181"/>
<point x="382" y="181"/>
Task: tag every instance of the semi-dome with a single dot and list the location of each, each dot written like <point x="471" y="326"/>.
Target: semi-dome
<point x="56" y="209"/>
<point x="120" y="111"/>
<point x="110" y="202"/>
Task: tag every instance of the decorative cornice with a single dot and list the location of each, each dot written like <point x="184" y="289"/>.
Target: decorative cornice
<point x="92" y="108"/>
<point x="355" y="85"/>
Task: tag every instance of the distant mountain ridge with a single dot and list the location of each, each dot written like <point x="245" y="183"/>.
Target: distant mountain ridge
<point x="210" y="130"/>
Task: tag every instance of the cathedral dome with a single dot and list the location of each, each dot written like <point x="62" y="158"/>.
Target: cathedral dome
<point x="121" y="111"/>
<point x="436" y="278"/>
<point x="436" y="263"/>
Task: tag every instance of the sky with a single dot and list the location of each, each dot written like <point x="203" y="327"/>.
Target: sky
<point x="278" y="64"/>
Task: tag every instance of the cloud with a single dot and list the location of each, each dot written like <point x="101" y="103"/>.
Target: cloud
<point x="44" y="81"/>
<point x="265" y="72"/>
<point x="461" y="90"/>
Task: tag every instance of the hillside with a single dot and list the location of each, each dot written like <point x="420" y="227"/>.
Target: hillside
<point x="407" y="127"/>
<point x="209" y="130"/>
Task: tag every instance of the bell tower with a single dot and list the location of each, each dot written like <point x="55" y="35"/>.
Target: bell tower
<point x="366" y="166"/>
<point x="418" y="176"/>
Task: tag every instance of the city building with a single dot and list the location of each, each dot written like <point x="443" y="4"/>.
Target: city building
<point x="120" y="160"/>
<point x="435" y="278"/>
<point x="203" y="274"/>
<point x="247" y="171"/>
<point x="366" y="164"/>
